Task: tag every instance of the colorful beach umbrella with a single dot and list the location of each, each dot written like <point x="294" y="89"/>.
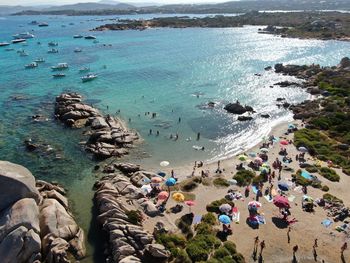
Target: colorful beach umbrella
<point x="156" y="179"/>
<point x="308" y="198"/>
<point x="281" y="202"/>
<point x="232" y="181"/>
<point x="283" y="186"/>
<point x="162" y="174"/>
<point x="190" y="203"/>
<point x="178" y="197"/>
<point x="146" y="188"/>
<point x="302" y="149"/>
<point x="242" y="157"/>
<point x="258" y="160"/>
<point x="224" y="219"/>
<point x="254" y="204"/>
<point x="164" y="163"/>
<point x="170" y="182"/>
<point x="291" y="126"/>
<point x="163" y="195"/>
<point x="284" y="142"/>
<point x="252" y="154"/>
<point x="265" y="165"/>
<point x="225" y="208"/>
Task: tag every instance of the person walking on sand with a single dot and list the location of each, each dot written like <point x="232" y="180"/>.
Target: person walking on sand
<point x="198" y="136"/>
<point x="256" y="246"/>
<point x="314" y="252"/>
<point x="295" y="250"/>
<point x="262" y="246"/>
<point x="342" y="249"/>
<point x="288" y="234"/>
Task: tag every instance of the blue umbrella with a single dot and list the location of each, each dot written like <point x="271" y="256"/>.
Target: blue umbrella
<point x="170" y="182"/>
<point x="224" y="219"/>
<point x="291" y="126"/>
<point x="162" y="174"/>
<point x="283" y="186"/>
<point x="252" y="154"/>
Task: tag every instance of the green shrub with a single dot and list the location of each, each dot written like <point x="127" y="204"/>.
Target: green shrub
<point x="311" y="169"/>
<point x="214" y="206"/>
<point x="258" y="179"/>
<point x="329" y="174"/>
<point x="134" y="216"/>
<point x="182" y="257"/>
<point x="238" y="258"/>
<point x="196" y="252"/>
<point x="221" y="253"/>
<point x="221" y="182"/>
<point x="231" y="247"/>
<point x="299" y="180"/>
<point x="325" y="188"/>
<point x="346" y="171"/>
<point x="184" y="224"/>
<point x="244" y="177"/>
<point x="171" y="240"/>
<point x="207" y="242"/>
<point x="209" y="218"/>
<point x="188" y="185"/>
<point x="331" y="198"/>
<point x="204" y="229"/>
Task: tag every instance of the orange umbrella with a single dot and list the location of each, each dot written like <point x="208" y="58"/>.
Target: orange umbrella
<point x="178" y="197"/>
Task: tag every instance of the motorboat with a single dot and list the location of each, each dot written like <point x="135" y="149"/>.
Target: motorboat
<point x="43" y="24"/>
<point x="4" y="44"/>
<point x="60" y="66"/>
<point x="77" y="36"/>
<point x="59" y="75"/>
<point x="88" y="77"/>
<point x="31" y="65"/>
<point x="34" y="22"/>
<point x="25" y="35"/>
<point x="77" y="50"/>
<point x="39" y="60"/>
<point x="84" y="69"/>
<point x="23" y="54"/>
<point x="52" y="51"/>
<point x="90" y="37"/>
<point x="52" y="44"/>
<point x="19" y="40"/>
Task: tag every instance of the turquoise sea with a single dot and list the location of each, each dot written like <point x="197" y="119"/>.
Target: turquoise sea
<point x="171" y="72"/>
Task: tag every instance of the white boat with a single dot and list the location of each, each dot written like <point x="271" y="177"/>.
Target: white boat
<point x="4" y="44"/>
<point x="52" y="51"/>
<point x="77" y="36"/>
<point x="77" y="50"/>
<point x="43" y="24"/>
<point x="39" y="60"/>
<point x="59" y="75"/>
<point x="60" y="66"/>
<point x="90" y="37"/>
<point x="84" y="69"/>
<point x="25" y="35"/>
<point x="19" y="40"/>
<point x="52" y="44"/>
<point x="31" y="65"/>
<point x="88" y="77"/>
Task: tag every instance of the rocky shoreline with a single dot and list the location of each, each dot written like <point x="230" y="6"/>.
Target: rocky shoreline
<point x="107" y="135"/>
<point x="35" y="222"/>
<point x="119" y="200"/>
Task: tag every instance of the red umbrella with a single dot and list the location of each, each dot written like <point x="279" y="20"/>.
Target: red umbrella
<point x="163" y="195"/>
<point x="284" y="142"/>
<point x="281" y="202"/>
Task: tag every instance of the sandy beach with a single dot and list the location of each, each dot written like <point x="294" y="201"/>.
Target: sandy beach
<point x="302" y="233"/>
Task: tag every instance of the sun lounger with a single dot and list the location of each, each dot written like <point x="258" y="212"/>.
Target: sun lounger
<point x="327" y="222"/>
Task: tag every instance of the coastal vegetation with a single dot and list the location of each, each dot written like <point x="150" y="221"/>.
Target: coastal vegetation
<point x="244" y="177"/>
<point x="319" y="25"/>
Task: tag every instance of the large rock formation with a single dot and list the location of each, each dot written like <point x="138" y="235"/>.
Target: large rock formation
<point x="108" y="136"/>
<point x="116" y="197"/>
<point x="237" y="108"/>
<point x="35" y="225"/>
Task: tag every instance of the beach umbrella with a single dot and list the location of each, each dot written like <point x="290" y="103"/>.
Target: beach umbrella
<point x="258" y="160"/>
<point x="232" y="181"/>
<point x="264" y="170"/>
<point x="163" y="195"/>
<point x="178" y="197"/>
<point x="308" y="198"/>
<point x="252" y="154"/>
<point x="254" y="204"/>
<point x="303" y="149"/>
<point x="264" y="150"/>
<point x="146" y="188"/>
<point x="225" y="208"/>
<point x="156" y="179"/>
<point x="283" y="186"/>
<point x="284" y="142"/>
<point x="224" y="219"/>
<point x="281" y="202"/>
<point x="291" y="126"/>
<point x="242" y="157"/>
<point x="164" y="163"/>
<point x="146" y="180"/>
<point x="265" y="165"/>
<point x="170" y="182"/>
<point x="190" y="203"/>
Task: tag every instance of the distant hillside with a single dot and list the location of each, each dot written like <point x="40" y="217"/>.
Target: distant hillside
<point x="110" y="7"/>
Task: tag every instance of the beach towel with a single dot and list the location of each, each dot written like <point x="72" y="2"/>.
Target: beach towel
<point x="235" y="215"/>
<point x="268" y="198"/>
<point x="291" y="198"/>
<point x="274" y="192"/>
<point x="261" y="219"/>
<point x="197" y="219"/>
<point x="326" y="222"/>
<point x="255" y="189"/>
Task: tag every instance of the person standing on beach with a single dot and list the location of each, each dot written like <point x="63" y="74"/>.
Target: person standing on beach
<point x="256" y="246"/>
<point x="295" y="250"/>
<point x="288" y="234"/>
<point x="198" y="136"/>
<point x="262" y="246"/>
<point x="343" y="248"/>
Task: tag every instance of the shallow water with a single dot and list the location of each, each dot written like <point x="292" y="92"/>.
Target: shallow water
<point x="156" y="70"/>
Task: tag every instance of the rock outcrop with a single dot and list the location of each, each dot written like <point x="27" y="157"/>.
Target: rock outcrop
<point x="35" y="224"/>
<point x="108" y="136"/>
<point x="116" y="198"/>
<point x="237" y="108"/>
